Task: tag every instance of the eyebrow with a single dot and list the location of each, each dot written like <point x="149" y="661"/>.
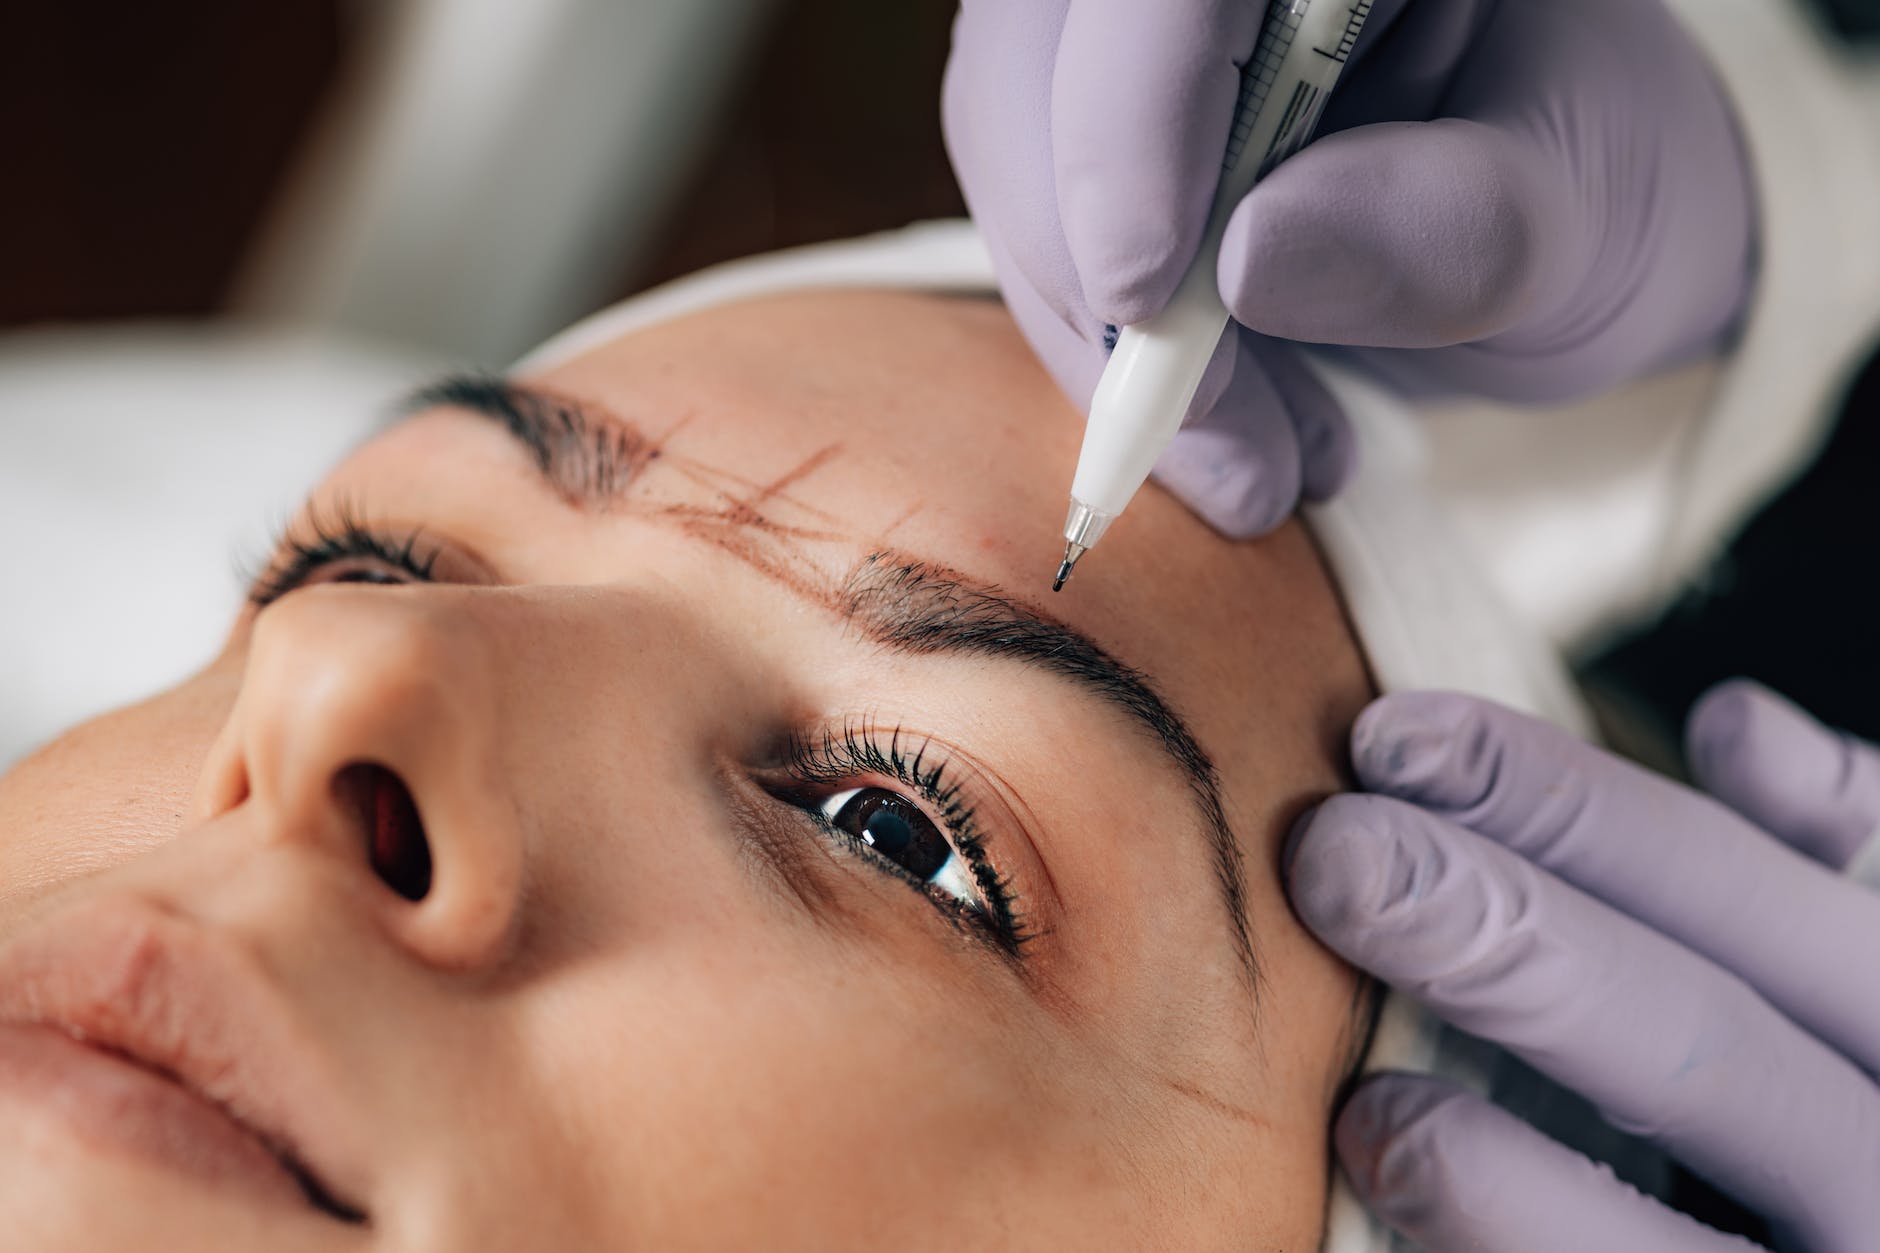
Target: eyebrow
<point x="908" y="605"/>
<point x="919" y="607"/>
<point x="588" y="458"/>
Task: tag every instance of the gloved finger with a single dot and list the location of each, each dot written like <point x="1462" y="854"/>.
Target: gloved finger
<point x="1328" y="450"/>
<point x="1453" y="1171"/>
<point x="1237" y="465"/>
<point x="1074" y="361"/>
<point x="1666" y="1044"/>
<point x="996" y="109"/>
<point x="1399" y="234"/>
<point x="1141" y="104"/>
<point x="1668" y="856"/>
<point x="1812" y="786"/>
<point x="1499" y="249"/>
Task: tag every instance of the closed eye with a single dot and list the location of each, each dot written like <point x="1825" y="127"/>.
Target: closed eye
<point x="342" y="550"/>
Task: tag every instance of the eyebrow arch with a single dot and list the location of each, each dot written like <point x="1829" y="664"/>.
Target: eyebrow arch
<point x="589" y="457"/>
<point x="917" y="607"/>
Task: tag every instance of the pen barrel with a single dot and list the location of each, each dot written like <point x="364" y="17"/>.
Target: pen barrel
<point x="1302" y="50"/>
<point x="1145" y="392"/>
<point x="1146" y="389"/>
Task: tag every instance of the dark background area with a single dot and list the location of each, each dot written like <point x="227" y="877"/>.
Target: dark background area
<point x="1794" y="603"/>
<point x="144" y="143"/>
<point x="1855" y="19"/>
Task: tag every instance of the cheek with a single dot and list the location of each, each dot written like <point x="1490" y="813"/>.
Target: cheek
<point x="849" y="1097"/>
<point x="109" y="789"/>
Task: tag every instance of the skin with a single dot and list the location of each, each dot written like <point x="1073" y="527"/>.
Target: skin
<point x="608" y="1024"/>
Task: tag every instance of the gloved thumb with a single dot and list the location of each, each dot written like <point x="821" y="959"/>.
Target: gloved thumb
<point x="1452" y="1171"/>
<point x="1399" y="235"/>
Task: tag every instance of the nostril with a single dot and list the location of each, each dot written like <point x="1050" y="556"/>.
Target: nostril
<point x="401" y="856"/>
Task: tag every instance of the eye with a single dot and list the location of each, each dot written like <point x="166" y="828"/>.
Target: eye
<point x="347" y="552"/>
<point x="934" y="844"/>
<point x="360" y="575"/>
<point x="900" y="832"/>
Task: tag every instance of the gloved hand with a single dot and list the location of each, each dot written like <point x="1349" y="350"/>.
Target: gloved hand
<point x="1523" y="199"/>
<point x="1696" y="969"/>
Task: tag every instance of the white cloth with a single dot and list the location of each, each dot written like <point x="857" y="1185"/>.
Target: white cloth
<point x="140" y="465"/>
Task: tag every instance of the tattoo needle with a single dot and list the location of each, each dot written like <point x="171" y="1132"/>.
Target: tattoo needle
<point x="1072" y="552"/>
<point x="1151" y="376"/>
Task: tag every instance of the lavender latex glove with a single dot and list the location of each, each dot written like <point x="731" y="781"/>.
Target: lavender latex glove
<point x="1523" y="199"/>
<point x="1695" y="968"/>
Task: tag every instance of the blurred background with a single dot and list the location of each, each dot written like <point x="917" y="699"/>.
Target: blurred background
<point x="312" y="158"/>
<point x="233" y="230"/>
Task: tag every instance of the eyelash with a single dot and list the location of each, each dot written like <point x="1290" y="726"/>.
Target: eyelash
<point x="833" y="758"/>
<point x="342" y="538"/>
<point x="828" y="759"/>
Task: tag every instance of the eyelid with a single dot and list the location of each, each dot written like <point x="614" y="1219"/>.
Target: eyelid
<point x="1020" y="856"/>
<point x="324" y="536"/>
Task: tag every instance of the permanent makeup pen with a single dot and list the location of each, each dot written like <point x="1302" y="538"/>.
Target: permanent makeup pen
<point x="1151" y="377"/>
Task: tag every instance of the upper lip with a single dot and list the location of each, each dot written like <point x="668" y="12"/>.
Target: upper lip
<point x="141" y="981"/>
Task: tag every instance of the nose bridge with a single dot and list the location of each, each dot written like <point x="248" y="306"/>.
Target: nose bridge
<point x="464" y="684"/>
<point x="499" y="710"/>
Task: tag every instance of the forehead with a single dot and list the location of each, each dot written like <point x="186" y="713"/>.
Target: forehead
<point x="896" y="415"/>
<point x="924" y="422"/>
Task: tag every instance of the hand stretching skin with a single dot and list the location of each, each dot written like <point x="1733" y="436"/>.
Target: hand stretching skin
<point x="1519" y="199"/>
<point x="1694" y="966"/>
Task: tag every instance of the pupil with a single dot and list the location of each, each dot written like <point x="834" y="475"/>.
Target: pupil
<point x="897" y="829"/>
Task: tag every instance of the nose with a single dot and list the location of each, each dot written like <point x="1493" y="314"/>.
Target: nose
<point x="367" y="732"/>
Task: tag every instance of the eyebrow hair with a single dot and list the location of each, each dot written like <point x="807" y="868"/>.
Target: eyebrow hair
<point x="589" y="458"/>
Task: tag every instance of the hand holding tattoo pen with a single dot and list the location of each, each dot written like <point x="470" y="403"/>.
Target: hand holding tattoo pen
<point x="1488" y="221"/>
<point x="1151" y="377"/>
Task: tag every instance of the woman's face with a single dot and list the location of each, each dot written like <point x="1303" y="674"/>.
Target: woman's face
<point x="663" y="806"/>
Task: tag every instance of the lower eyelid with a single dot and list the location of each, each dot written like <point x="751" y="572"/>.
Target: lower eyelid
<point x="772" y="831"/>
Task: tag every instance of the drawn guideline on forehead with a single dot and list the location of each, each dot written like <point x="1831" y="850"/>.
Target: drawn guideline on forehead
<point x="752" y="521"/>
<point x="599" y="461"/>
